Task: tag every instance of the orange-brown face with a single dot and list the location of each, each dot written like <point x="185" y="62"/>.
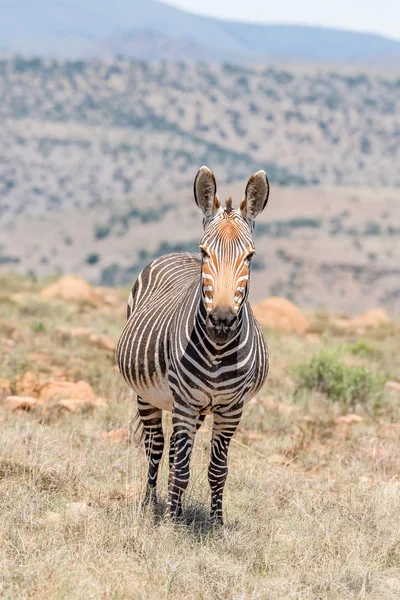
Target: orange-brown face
<point x="227" y="248"/>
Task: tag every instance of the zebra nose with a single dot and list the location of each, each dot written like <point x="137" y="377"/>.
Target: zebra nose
<point x="223" y="320"/>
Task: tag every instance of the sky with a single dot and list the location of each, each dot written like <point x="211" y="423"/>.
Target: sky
<point x="377" y="16"/>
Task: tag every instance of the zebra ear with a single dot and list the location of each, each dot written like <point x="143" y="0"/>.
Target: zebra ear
<point x="205" y="192"/>
<point x="256" y="195"/>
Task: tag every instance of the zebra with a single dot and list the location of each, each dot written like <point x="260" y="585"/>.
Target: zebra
<point x="191" y="344"/>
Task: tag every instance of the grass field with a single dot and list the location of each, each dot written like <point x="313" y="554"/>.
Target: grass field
<point x="313" y="495"/>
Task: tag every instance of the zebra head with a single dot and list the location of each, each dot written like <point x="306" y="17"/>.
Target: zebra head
<point x="227" y="248"/>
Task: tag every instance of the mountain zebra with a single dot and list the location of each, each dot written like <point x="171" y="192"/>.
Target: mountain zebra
<point x="191" y="344"/>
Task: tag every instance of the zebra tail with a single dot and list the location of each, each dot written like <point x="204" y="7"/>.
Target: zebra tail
<point x="137" y="429"/>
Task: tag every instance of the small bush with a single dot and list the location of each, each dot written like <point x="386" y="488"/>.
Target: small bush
<point x="365" y="349"/>
<point x="93" y="258"/>
<point x="341" y="383"/>
<point x="102" y="231"/>
<point x="38" y="327"/>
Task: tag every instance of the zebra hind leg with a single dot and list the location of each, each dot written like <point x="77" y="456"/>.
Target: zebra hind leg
<point x="151" y="418"/>
<point x="224" y="428"/>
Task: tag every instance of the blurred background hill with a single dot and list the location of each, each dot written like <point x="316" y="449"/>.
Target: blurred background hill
<point x="108" y="110"/>
<point x="151" y="30"/>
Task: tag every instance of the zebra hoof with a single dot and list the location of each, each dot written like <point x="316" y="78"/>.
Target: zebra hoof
<point x="215" y="521"/>
<point x="174" y="515"/>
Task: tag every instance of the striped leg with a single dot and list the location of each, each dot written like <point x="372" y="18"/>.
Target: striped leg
<point x="199" y="423"/>
<point x="224" y="427"/>
<point x="151" y="418"/>
<point x="184" y="430"/>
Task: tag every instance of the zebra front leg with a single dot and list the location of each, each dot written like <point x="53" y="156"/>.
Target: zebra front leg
<point x="199" y="423"/>
<point x="225" y="425"/>
<point x="151" y="418"/>
<point x="181" y="445"/>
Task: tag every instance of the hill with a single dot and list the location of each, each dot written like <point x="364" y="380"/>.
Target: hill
<point x="98" y="161"/>
<point x="66" y="28"/>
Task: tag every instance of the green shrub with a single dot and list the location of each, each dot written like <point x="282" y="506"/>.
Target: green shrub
<point x="38" y="327"/>
<point x="365" y="349"/>
<point x="93" y="258"/>
<point x="341" y="383"/>
<point x="102" y="231"/>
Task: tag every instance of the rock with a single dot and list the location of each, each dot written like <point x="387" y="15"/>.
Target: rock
<point x="367" y="320"/>
<point x="349" y="419"/>
<point x="77" y="404"/>
<point x="5" y="387"/>
<point x="393" y="386"/>
<point x="71" y="288"/>
<point x="7" y="329"/>
<point x="116" y="435"/>
<point x="75" y="332"/>
<point x="279" y="313"/>
<point x="371" y="318"/>
<point x="66" y="390"/>
<point x="20" y="402"/>
<point x="40" y="357"/>
<point x="18" y="298"/>
<point x="27" y="384"/>
<point x="103" y="342"/>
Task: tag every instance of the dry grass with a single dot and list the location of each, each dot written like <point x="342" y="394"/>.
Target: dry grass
<point x="312" y="502"/>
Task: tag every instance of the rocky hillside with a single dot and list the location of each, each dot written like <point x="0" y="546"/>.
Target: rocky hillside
<point x="98" y="159"/>
<point x="81" y="132"/>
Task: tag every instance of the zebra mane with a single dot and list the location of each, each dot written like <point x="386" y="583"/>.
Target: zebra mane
<point x="228" y="205"/>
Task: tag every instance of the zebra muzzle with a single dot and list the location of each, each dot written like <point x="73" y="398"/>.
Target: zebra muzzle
<point x="221" y="324"/>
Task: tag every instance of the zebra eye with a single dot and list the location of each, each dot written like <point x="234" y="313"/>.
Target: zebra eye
<point x="204" y="253"/>
<point x="250" y="256"/>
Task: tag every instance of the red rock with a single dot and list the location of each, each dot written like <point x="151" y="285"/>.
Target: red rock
<point x="369" y="319"/>
<point x="20" y="402"/>
<point x="77" y="404"/>
<point x="279" y="313"/>
<point x="116" y="435"/>
<point x="71" y="288"/>
<point x="393" y="386"/>
<point x="66" y="390"/>
<point x="349" y="419"/>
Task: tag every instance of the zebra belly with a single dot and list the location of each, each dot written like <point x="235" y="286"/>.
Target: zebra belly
<point x="159" y="396"/>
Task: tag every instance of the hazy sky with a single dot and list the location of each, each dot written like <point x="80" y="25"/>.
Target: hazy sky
<point x="379" y="16"/>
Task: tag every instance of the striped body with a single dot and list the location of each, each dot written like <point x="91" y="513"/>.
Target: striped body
<point x="163" y="351"/>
